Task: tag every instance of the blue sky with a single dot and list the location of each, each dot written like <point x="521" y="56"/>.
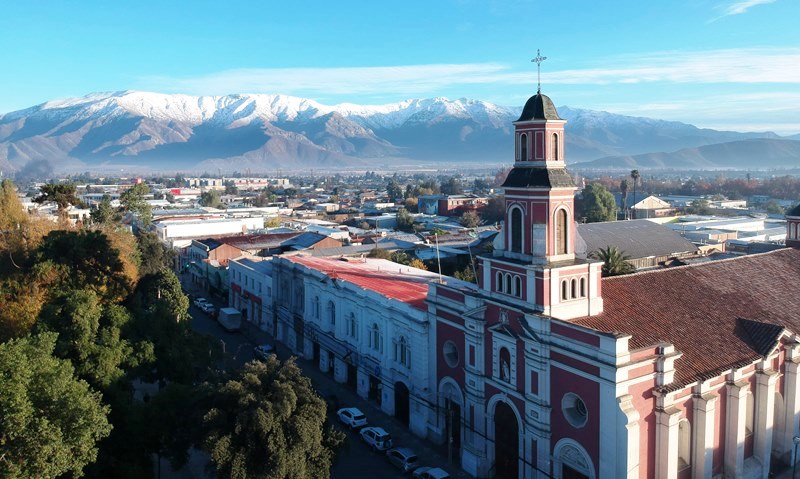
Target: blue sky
<point x="726" y="64"/>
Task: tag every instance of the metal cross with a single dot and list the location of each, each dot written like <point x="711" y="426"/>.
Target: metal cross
<point x="538" y="60"/>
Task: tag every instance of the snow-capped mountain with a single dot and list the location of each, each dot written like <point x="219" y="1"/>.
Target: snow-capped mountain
<point x="263" y="132"/>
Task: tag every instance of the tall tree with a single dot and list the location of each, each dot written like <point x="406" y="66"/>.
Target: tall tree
<point x="268" y="422"/>
<point x="452" y="186"/>
<point x="615" y="262"/>
<point x="404" y="220"/>
<point x="154" y="255"/>
<point x="598" y="203"/>
<point x="470" y="219"/>
<point x="104" y="213"/>
<point x="393" y="190"/>
<point x="623" y="188"/>
<point x="51" y="421"/>
<point x="62" y="194"/>
<point x="133" y="200"/>
<point x="635" y="177"/>
<point x="211" y="199"/>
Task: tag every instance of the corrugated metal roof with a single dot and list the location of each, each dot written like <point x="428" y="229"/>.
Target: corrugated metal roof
<point x="635" y="238"/>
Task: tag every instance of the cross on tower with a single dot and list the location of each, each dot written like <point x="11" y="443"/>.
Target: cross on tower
<point x="538" y="60"/>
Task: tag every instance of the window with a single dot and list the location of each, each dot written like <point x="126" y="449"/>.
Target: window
<point x="505" y="365"/>
<point x="507" y="284"/>
<point x="564" y="291"/>
<point x="352" y="326"/>
<point x="375" y="338"/>
<point x="523" y="147"/>
<point x="517" y="286"/>
<point x="555" y="147"/>
<point x="499" y="281"/>
<point x="402" y="352"/>
<point x="574" y="410"/>
<point x="450" y="352"/>
<point x="583" y="287"/>
<point x="332" y="313"/>
<point x="516" y="230"/>
<point x="561" y="232"/>
<point x="574" y="288"/>
<point x="684" y="444"/>
<point x="316" y="307"/>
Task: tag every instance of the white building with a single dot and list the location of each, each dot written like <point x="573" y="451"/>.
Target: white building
<point x="364" y="321"/>
<point x="251" y="290"/>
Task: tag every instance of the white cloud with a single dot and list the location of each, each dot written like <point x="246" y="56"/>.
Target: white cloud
<point x="742" y="7"/>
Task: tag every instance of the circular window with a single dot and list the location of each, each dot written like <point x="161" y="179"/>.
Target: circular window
<point x="450" y="352"/>
<point x="574" y="410"/>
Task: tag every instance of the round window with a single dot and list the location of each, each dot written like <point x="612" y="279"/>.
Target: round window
<point x="574" y="410"/>
<point x="450" y="352"/>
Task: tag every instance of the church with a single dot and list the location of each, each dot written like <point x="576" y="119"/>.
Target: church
<point x="544" y="369"/>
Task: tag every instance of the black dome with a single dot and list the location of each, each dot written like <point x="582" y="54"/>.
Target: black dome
<point x="539" y="107"/>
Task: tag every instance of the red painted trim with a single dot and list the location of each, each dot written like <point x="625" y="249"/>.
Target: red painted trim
<point x="581" y="336"/>
<point x="449" y="294"/>
<point x="572" y="362"/>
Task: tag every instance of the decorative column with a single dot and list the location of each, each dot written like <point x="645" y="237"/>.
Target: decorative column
<point x="629" y="448"/>
<point x="765" y="418"/>
<point x="791" y="391"/>
<point x="667" y="442"/>
<point x="735" y="428"/>
<point x="704" y="408"/>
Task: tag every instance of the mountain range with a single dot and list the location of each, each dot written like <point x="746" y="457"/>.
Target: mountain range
<point x="151" y="131"/>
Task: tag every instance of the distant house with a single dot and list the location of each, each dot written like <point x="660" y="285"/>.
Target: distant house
<point x="647" y="244"/>
<point x="651" y="207"/>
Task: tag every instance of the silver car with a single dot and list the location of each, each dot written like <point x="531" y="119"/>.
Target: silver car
<point x="403" y="458"/>
<point x="377" y="438"/>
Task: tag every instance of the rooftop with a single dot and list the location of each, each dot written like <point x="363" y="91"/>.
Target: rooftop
<point x="391" y="280"/>
<point x="635" y="238"/>
<point x="701" y="308"/>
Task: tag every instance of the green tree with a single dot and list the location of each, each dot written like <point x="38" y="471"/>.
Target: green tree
<point x="400" y="257"/>
<point x="393" y="190"/>
<point x="614" y="261"/>
<point x="379" y="253"/>
<point x="211" y="199"/>
<point x="104" y="213"/>
<point x="470" y="219"/>
<point x="635" y="177"/>
<point x="51" y="421"/>
<point x="230" y="188"/>
<point x="405" y="221"/>
<point x="700" y="206"/>
<point x="623" y="188"/>
<point x="417" y="263"/>
<point x="268" y="422"/>
<point x="133" y="200"/>
<point x="452" y="186"/>
<point x="154" y="255"/>
<point x="495" y="210"/>
<point x="466" y="274"/>
<point x="62" y="194"/>
<point x="772" y="207"/>
<point x="598" y="203"/>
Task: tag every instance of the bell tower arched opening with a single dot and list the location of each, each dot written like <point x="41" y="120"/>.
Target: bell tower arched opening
<point x="561" y="232"/>
<point x="516" y="230"/>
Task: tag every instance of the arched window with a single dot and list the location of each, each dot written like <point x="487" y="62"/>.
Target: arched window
<point x="499" y="281"/>
<point x="505" y="365"/>
<point x="555" y="147"/>
<point x="316" y="308"/>
<point x="684" y="444"/>
<point x="517" y="286"/>
<point x="507" y="282"/>
<point x="583" y="287"/>
<point x="516" y="230"/>
<point x="561" y="231"/>
<point x="352" y="326"/>
<point x="332" y="313"/>
<point x="564" y="292"/>
<point x="523" y="147"/>
<point x="402" y="352"/>
<point x="374" y="337"/>
<point x="574" y="288"/>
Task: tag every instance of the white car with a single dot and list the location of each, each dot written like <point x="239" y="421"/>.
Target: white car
<point x="200" y="301"/>
<point x="377" y="438"/>
<point x="352" y="417"/>
<point x="207" y="308"/>
<point x="426" y="472"/>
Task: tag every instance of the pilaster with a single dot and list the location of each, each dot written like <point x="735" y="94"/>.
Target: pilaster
<point x="765" y="418"/>
<point x="667" y="442"/>
<point x="735" y="428"/>
<point x="704" y="414"/>
<point x="628" y="446"/>
<point x="791" y="390"/>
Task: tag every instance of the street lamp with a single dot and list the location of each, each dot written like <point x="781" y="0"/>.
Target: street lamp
<point x="796" y="441"/>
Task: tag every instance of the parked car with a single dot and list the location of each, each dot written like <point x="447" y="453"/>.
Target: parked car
<point x="426" y="472"/>
<point x="263" y="351"/>
<point x="352" y="417"/>
<point x="200" y="301"/>
<point x="403" y="458"/>
<point x="377" y="438"/>
<point x="208" y="308"/>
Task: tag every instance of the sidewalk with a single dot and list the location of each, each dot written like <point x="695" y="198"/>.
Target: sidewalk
<point x="429" y="454"/>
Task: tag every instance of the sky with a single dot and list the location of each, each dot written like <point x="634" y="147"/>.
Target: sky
<point x="723" y="64"/>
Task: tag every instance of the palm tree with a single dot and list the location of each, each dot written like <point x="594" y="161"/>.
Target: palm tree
<point x="635" y="175"/>
<point x="615" y="261"/>
<point x="623" y="187"/>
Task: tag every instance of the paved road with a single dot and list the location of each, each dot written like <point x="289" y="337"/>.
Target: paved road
<point x="357" y="461"/>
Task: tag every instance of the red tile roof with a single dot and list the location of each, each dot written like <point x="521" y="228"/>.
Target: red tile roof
<point x="380" y="276"/>
<point x="700" y="309"/>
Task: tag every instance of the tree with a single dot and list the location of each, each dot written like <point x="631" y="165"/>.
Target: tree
<point x="466" y="274"/>
<point x="393" y="190"/>
<point x="772" y="207"/>
<point x="700" y="206"/>
<point x="379" y="253"/>
<point x="615" y="261"/>
<point x="62" y="194"/>
<point x="268" y="422"/>
<point x="452" y="186"/>
<point x="230" y="188"/>
<point x="470" y="219"/>
<point x="211" y="199"/>
<point x="623" y="188"/>
<point x="404" y="220"/>
<point x="417" y="263"/>
<point x="598" y="203"/>
<point x="635" y="177"/>
<point x="133" y="200"/>
<point x="104" y="213"/>
<point x="495" y="210"/>
<point x="155" y="256"/>
<point x="51" y="421"/>
<point x="400" y="257"/>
